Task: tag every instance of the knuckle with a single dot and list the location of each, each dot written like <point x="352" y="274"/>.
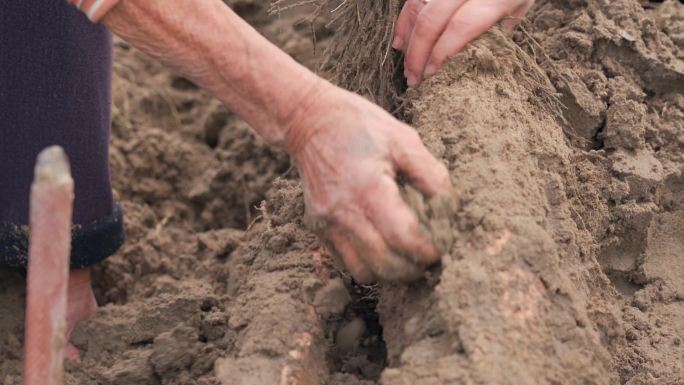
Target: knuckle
<point x="426" y="26"/>
<point x="324" y="205"/>
<point x="415" y="6"/>
<point x="413" y="9"/>
<point x="457" y="23"/>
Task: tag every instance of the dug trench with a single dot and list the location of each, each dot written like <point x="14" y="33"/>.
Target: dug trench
<point x="565" y="146"/>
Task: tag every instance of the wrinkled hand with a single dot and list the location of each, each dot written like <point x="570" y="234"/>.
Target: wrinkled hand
<point x="348" y="151"/>
<point x="429" y="32"/>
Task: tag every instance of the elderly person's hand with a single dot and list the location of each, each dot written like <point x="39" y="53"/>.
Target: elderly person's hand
<point x="429" y="31"/>
<point x="348" y="151"/>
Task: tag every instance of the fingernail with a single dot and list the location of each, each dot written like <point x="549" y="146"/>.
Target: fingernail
<point x="397" y="43"/>
<point x="431" y="69"/>
<point x="411" y="79"/>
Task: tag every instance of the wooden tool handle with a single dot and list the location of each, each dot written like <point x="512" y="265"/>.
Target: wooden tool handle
<point x="52" y="195"/>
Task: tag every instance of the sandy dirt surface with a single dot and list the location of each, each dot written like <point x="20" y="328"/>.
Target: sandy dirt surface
<point x="565" y="256"/>
<point x="566" y="153"/>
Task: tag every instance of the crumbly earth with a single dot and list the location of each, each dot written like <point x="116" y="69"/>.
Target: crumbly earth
<point x="566" y="151"/>
<point x="564" y="263"/>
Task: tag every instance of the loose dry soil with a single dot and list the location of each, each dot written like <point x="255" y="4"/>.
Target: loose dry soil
<point x="566" y="148"/>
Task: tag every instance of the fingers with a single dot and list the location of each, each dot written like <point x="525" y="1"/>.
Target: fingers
<point x="416" y="162"/>
<point x="405" y="22"/>
<point x="429" y="25"/>
<point x="472" y="19"/>
<point x="400" y="30"/>
<point x="361" y="273"/>
<point x="372" y="249"/>
<point x="430" y="33"/>
<point x="399" y="225"/>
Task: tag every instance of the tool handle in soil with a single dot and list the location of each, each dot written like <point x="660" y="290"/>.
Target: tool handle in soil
<point x="52" y="195"/>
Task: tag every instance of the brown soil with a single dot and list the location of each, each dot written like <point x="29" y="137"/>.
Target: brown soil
<point x="208" y="271"/>
<point x="566" y="148"/>
<point x="567" y="267"/>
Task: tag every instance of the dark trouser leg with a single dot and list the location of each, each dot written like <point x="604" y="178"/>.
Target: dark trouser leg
<point x="55" y="88"/>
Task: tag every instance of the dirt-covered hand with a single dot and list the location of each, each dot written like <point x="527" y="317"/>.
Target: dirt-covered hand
<point x="348" y="151"/>
<point x="428" y="32"/>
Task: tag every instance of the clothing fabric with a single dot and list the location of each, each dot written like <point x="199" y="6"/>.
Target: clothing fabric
<point x="55" y="89"/>
<point x="94" y="9"/>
